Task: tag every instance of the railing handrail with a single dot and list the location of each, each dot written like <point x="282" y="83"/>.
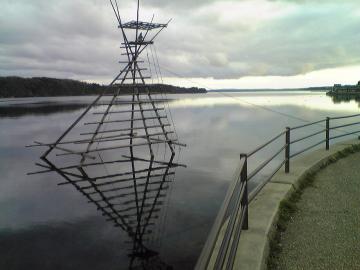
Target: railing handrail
<point x="256" y="191"/>
<point x="309" y="124"/>
<point x="242" y="177"/>
<point x="265" y="144"/>
<point x="307" y="136"/>
<point x="346" y="116"/>
<point x="307" y="148"/>
<point x="345" y="125"/>
<point x="266" y="162"/>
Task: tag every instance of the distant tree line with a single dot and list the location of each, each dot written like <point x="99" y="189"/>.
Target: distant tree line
<point x="45" y="87"/>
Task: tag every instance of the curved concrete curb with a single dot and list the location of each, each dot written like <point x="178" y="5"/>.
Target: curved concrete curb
<point x="253" y="248"/>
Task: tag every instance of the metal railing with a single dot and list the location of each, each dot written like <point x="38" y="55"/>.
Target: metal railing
<point x="221" y="245"/>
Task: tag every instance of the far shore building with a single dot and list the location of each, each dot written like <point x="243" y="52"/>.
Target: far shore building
<point x="348" y="89"/>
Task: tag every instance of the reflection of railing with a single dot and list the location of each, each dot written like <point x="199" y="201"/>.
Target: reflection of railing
<point x="221" y="246"/>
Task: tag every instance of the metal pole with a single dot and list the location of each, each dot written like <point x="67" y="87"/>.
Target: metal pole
<point x="287" y="150"/>
<point x="245" y="201"/>
<point x="327" y="132"/>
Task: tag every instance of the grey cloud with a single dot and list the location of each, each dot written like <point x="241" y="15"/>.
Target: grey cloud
<point x="67" y="38"/>
<point x="79" y="39"/>
<point x="186" y="4"/>
<point x="304" y="41"/>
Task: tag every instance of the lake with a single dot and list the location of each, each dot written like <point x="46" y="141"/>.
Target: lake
<point x="46" y="226"/>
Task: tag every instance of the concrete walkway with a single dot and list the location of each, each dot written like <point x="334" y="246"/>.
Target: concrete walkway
<point x="324" y="233"/>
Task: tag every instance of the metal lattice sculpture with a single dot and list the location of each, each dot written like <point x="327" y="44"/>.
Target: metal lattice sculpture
<point x="120" y="152"/>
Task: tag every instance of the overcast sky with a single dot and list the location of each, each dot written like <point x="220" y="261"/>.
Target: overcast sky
<point x="209" y="43"/>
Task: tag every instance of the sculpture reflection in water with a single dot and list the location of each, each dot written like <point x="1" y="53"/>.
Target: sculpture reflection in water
<point x="120" y="153"/>
<point x="133" y="200"/>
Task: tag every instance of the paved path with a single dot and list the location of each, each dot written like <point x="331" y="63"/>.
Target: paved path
<point x="325" y="232"/>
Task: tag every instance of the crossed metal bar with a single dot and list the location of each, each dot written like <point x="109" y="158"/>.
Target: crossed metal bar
<point x="116" y="163"/>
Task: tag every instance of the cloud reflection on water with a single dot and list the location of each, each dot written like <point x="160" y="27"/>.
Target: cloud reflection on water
<point x="216" y="129"/>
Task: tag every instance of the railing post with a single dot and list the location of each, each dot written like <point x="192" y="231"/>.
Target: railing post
<point x="287" y="150"/>
<point x="327" y="132"/>
<point x="245" y="200"/>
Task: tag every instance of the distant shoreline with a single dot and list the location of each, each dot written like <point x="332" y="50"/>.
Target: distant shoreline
<point x="18" y="87"/>
<point x="310" y="89"/>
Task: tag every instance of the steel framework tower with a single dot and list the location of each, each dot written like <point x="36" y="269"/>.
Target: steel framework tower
<point x="120" y="152"/>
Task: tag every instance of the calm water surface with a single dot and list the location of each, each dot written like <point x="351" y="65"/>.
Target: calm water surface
<point x="45" y="226"/>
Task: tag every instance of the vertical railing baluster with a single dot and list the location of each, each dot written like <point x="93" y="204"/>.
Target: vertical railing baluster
<point x="287" y="150"/>
<point x="327" y="132"/>
<point x="244" y="200"/>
